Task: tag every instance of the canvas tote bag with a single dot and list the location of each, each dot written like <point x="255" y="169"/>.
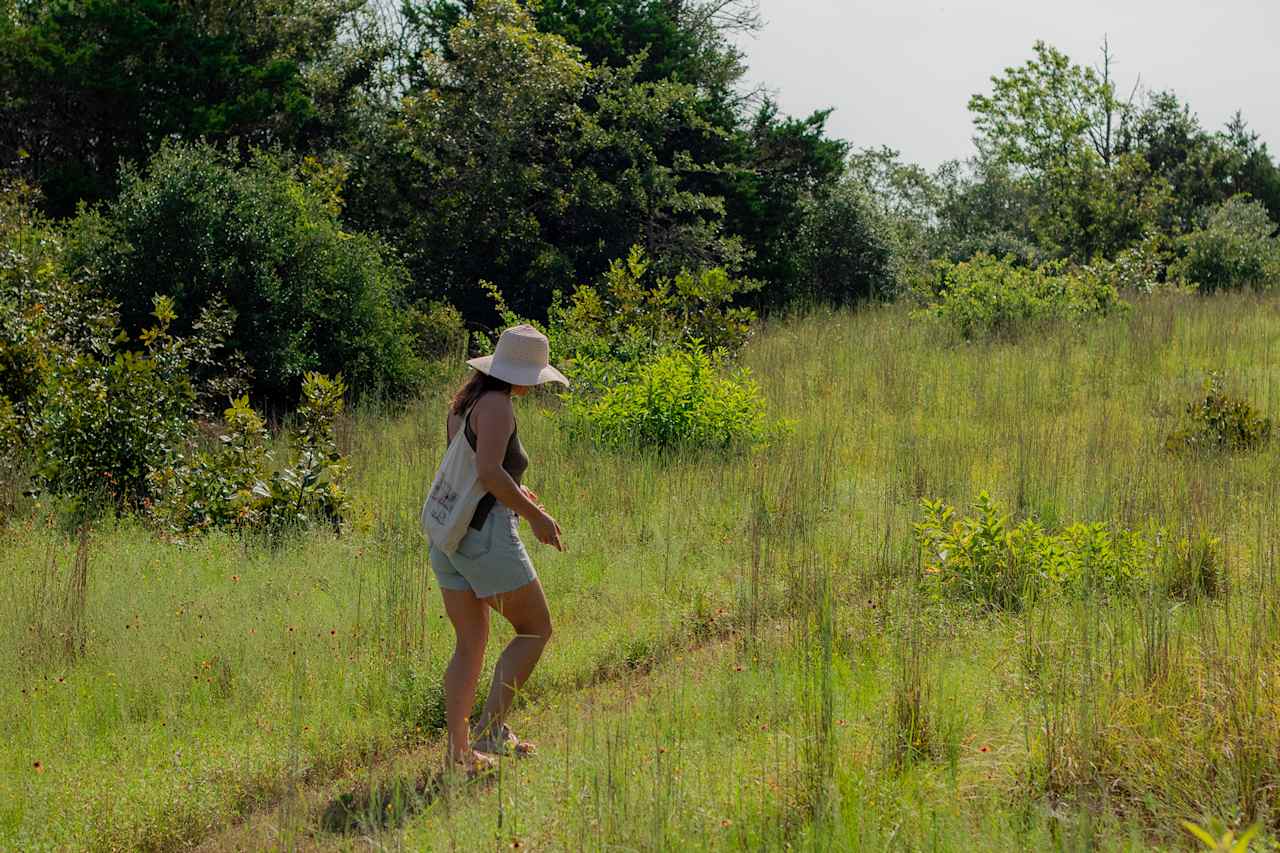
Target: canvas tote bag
<point x="455" y="492"/>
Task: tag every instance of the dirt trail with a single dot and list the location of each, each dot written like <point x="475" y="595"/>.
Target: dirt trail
<point x="354" y="809"/>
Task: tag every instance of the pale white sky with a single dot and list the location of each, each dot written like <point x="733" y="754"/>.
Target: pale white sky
<point x="900" y="72"/>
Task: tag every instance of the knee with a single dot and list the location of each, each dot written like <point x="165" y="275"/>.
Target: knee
<point x="535" y="629"/>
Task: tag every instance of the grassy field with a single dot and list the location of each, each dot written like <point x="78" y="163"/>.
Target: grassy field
<point x="748" y="652"/>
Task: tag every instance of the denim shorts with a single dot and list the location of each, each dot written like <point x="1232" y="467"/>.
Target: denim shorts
<point x="489" y="561"/>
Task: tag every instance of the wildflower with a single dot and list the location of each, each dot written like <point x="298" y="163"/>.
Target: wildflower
<point x="841" y="723"/>
<point x="738" y="668"/>
<point x="662" y="750"/>
<point x="333" y="632"/>
<point x="984" y="748"/>
<point x="725" y="823"/>
<point x="38" y="767"/>
<point x="235" y="579"/>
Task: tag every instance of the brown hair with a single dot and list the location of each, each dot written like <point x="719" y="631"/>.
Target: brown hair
<point x="477" y="385"/>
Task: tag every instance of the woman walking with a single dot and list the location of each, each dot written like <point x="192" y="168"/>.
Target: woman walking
<point x="491" y="569"/>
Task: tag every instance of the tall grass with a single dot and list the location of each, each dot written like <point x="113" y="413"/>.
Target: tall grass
<point x="747" y="653"/>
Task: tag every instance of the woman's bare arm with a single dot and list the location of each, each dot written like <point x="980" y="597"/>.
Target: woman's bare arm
<point x="493" y="421"/>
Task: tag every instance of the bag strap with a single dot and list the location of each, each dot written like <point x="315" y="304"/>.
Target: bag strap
<point x="462" y="430"/>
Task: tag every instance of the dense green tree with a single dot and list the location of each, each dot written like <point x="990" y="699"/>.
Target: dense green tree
<point x="780" y="168"/>
<point x="1058" y="126"/>
<point x="521" y="164"/>
<point x="1255" y="172"/>
<point x="690" y="41"/>
<point x="844" y="248"/>
<point x="264" y="239"/>
<point x="88" y="84"/>
<point x="1047" y="113"/>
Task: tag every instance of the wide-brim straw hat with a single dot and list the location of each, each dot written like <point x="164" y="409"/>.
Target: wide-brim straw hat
<point x="522" y="357"/>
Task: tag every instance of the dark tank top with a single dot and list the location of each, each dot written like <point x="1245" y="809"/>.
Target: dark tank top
<point x="514" y="462"/>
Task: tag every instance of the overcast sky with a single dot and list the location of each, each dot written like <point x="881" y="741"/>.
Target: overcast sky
<point x="900" y="72"/>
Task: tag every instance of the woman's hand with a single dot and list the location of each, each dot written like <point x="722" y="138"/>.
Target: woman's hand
<point x="546" y="529"/>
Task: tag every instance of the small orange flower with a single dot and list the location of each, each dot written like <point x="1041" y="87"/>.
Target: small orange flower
<point x="725" y="823"/>
<point x="984" y="748"/>
<point x="38" y="767"/>
<point x="235" y="579"/>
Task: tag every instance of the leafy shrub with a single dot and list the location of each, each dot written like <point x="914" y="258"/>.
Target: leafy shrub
<point x="437" y="330"/>
<point x="604" y="333"/>
<point x="679" y="399"/>
<point x="845" y="250"/>
<point x="236" y="487"/>
<point x="987" y="296"/>
<point x="1219" y="422"/>
<point x="1236" y="248"/>
<point x="1143" y="267"/>
<point x="102" y="422"/>
<point x="44" y="315"/>
<point x="983" y="558"/>
<point x="635" y="312"/>
<point x="307" y="295"/>
<point x="198" y="489"/>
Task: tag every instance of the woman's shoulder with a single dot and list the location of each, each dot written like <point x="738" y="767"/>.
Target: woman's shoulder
<point x="493" y="407"/>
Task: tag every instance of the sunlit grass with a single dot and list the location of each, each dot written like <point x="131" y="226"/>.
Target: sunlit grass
<point x="219" y="675"/>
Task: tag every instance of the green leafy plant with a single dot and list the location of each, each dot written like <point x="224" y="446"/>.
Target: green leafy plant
<point x="1234" y="249"/>
<point x="680" y="399"/>
<point x="198" y="489"/>
<point x="236" y="486"/>
<point x="1219" y="422"/>
<point x="991" y="297"/>
<point x="437" y="329"/>
<point x="103" y="422"/>
<point x="635" y="313"/>
<point x="982" y="557"/>
<point x="1219" y="839"/>
<point x="264" y="238"/>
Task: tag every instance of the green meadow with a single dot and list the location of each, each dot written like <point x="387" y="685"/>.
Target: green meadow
<point x="751" y="651"/>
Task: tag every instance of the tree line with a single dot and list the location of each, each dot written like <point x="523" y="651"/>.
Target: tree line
<point x="207" y="199"/>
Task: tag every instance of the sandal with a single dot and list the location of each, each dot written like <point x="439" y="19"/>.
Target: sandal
<point x="479" y="764"/>
<point x="505" y="743"/>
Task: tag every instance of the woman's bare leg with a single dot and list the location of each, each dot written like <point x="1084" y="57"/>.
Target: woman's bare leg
<point x="470" y="618"/>
<point x="526" y="610"/>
